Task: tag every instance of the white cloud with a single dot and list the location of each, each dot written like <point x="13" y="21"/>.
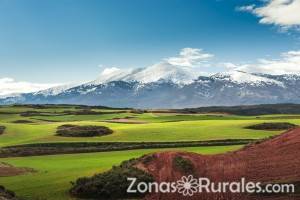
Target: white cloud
<point x="247" y="8"/>
<point x="284" y="13"/>
<point x="189" y="57"/>
<point x="110" y="70"/>
<point x="231" y="66"/>
<point x="9" y="86"/>
<point x="288" y="63"/>
<point x="196" y="62"/>
<point x="188" y="65"/>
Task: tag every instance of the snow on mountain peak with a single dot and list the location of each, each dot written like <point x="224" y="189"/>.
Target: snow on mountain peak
<point x="57" y="89"/>
<point x="166" y="72"/>
<point x="241" y="77"/>
<point x="112" y="70"/>
<point x="176" y="74"/>
<point x="161" y="71"/>
<point x="111" y="74"/>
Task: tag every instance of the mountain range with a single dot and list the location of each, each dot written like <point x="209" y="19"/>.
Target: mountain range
<point x="163" y="86"/>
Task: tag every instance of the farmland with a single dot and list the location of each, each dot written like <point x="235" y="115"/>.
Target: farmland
<point x="52" y="174"/>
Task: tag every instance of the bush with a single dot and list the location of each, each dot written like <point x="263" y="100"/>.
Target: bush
<point x="7" y="194"/>
<point x="138" y="111"/>
<point x="182" y="164"/>
<point x="22" y="121"/>
<point x="277" y="126"/>
<point x="148" y="158"/>
<point x="69" y="130"/>
<point x="112" y="184"/>
<point x="30" y="114"/>
<point x="2" y="128"/>
<point x="82" y="112"/>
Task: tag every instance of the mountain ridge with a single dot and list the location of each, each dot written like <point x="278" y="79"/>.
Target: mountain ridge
<point x="175" y="89"/>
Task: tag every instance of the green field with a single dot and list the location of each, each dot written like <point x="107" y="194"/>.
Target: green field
<point x="55" y="172"/>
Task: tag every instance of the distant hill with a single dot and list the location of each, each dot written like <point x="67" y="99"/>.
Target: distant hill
<point x="264" y="109"/>
<point x="161" y="87"/>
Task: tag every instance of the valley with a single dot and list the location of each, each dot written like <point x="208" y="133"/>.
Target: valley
<point x="53" y="161"/>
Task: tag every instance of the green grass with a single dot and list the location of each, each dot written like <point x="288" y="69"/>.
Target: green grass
<point x="159" y="128"/>
<point x="54" y="173"/>
<point x="68" y="118"/>
<point x="167" y="131"/>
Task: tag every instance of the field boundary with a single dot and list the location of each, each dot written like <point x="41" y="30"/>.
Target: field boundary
<point x="87" y="147"/>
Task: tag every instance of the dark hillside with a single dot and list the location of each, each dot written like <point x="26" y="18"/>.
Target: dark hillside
<point x="250" y="110"/>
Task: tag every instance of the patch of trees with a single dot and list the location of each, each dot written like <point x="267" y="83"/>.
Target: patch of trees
<point x="69" y="130"/>
<point x="276" y="126"/>
<point x="99" y="107"/>
<point x="2" y="128"/>
<point x="250" y="110"/>
<point x="36" y="113"/>
<point x="90" y="112"/>
<point x="112" y="184"/>
<point x="81" y="112"/>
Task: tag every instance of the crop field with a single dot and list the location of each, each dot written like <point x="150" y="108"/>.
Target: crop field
<point x="51" y="172"/>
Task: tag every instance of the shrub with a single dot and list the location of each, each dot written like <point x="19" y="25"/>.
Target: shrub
<point x="7" y="194"/>
<point x="277" y="126"/>
<point x="2" y="128"/>
<point x="148" y="158"/>
<point x="22" y="121"/>
<point x="183" y="164"/>
<point x="30" y="114"/>
<point x="112" y="184"/>
<point x="138" y="111"/>
<point x="82" y="112"/>
<point x="69" y="130"/>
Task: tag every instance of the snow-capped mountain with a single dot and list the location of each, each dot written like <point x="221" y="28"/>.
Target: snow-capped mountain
<point x="163" y="86"/>
<point x="241" y="77"/>
<point x="161" y="71"/>
<point x="56" y="90"/>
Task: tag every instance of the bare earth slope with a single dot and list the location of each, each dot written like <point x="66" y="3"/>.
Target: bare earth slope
<point x="275" y="160"/>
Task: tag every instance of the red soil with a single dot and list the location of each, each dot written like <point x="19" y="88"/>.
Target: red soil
<point x="10" y="170"/>
<point x="275" y="160"/>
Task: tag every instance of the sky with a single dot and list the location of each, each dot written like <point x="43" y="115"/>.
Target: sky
<point x="51" y="42"/>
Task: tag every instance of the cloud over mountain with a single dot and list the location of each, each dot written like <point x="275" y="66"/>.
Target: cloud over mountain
<point x="189" y="57"/>
<point x="288" y="63"/>
<point x="10" y="86"/>
<point x="188" y="65"/>
<point x="182" y="69"/>
<point x="284" y="13"/>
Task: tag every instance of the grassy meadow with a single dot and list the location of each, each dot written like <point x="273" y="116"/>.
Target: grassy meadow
<point x="53" y="173"/>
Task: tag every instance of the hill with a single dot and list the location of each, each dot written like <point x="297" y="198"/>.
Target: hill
<point x="272" y="161"/>
<point x="166" y="88"/>
<point x="250" y="110"/>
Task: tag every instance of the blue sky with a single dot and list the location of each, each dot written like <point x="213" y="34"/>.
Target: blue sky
<point x="58" y="41"/>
